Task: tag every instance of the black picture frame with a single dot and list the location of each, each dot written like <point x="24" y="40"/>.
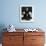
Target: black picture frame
<point x="26" y="13"/>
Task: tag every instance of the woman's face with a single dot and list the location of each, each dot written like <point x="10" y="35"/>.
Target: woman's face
<point x="26" y="9"/>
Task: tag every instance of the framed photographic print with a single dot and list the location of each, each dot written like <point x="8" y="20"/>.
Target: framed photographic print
<point x="26" y="13"/>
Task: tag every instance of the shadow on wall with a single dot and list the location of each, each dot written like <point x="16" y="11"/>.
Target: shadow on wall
<point x="2" y="26"/>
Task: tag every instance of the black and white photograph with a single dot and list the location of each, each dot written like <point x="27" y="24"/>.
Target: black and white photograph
<point x="26" y="13"/>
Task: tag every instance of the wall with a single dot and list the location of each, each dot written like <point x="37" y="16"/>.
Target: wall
<point x="9" y="13"/>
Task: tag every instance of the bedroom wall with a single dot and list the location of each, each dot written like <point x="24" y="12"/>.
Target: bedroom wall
<point x="10" y="12"/>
